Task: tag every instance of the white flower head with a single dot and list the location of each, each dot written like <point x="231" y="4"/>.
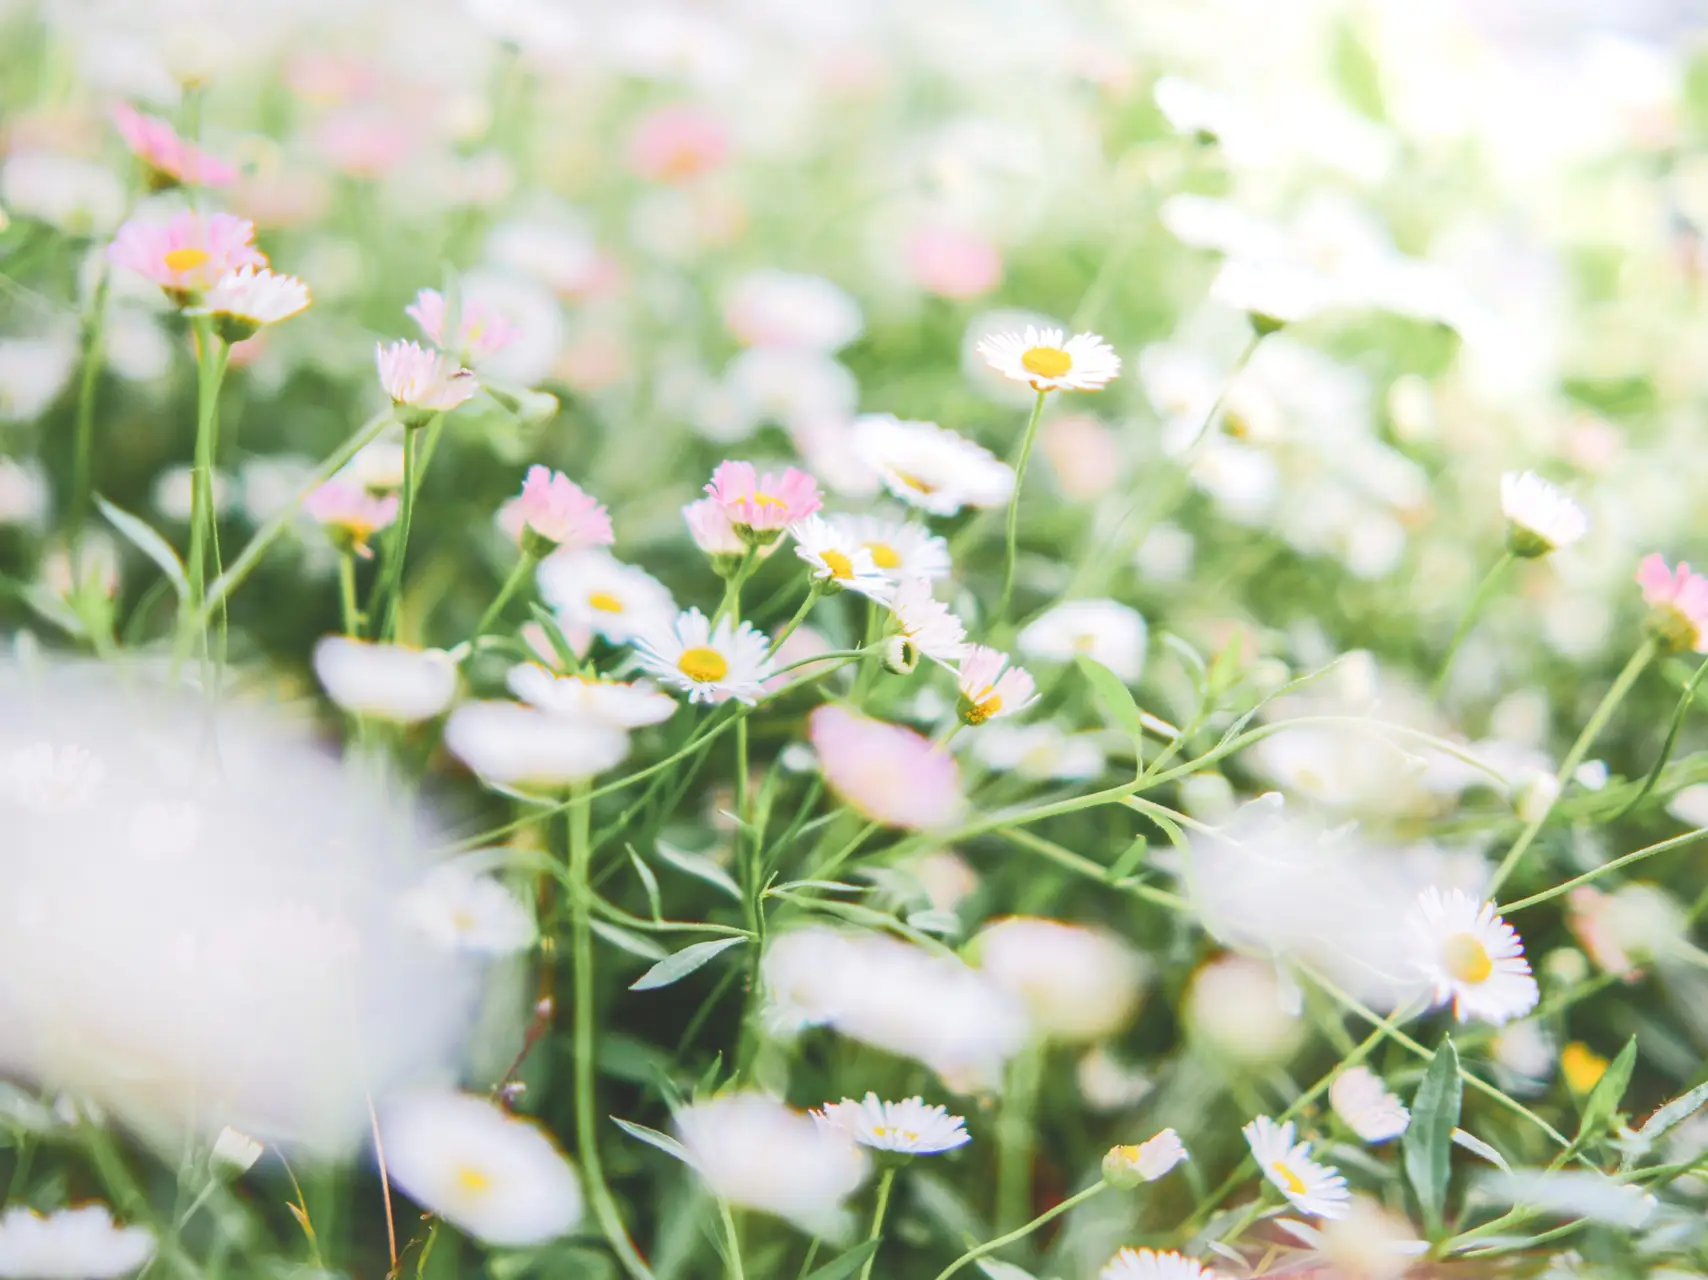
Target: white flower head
<point x="837" y="561"/>
<point x="926" y="622"/>
<point x="709" y="664"/>
<point x="1105" y="630"/>
<point x="593" y="590"/>
<point x="611" y="702"/>
<point x="1316" y="1189"/>
<point x="499" y="1178"/>
<point x="1046" y="361"/>
<point x="236" y="1150"/>
<point x="1148" y="1264"/>
<point x="1038" y="751"/>
<point x="249" y="297"/>
<point x="1540" y="517"/>
<point x="461" y="910"/>
<point x="1146" y="1161"/>
<point x="900" y="549"/>
<point x="909" y="1127"/>
<point x="517" y="746"/>
<point x="772" y="308"/>
<point x="422" y="382"/>
<point x="70" y="1244"/>
<point x="1471" y="957"/>
<point x="1272" y="292"/>
<point x="991" y="685"/>
<point x="1078" y="984"/>
<point x="932" y="468"/>
<point x="1359" y="1097"/>
<point x="386" y="681"/>
<point x="49" y="779"/>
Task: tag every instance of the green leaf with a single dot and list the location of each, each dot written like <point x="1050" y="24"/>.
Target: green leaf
<point x="700" y="867"/>
<point x="1117" y="700"/>
<point x="1130" y="858"/>
<point x="1604" y="1099"/>
<point x="1674" y="1113"/>
<point x="143" y="537"/>
<point x="649" y="882"/>
<point x="674" y="968"/>
<point x="633" y="943"/>
<point x="1477" y="1147"/>
<point x="996" y="1269"/>
<point x="1428" y="1143"/>
<point x="848" y="1263"/>
<point x="653" y="1138"/>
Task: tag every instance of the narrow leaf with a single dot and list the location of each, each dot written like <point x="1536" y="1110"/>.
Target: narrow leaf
<point x="1115" y="698"/>
<point x="633" y="943"/>
<point x="848" y="1263"/>
<point x="649" y="882"/>
<point x="1674" y="1113"/>
<point x="673" y="968"/>
<point x="653" y="1138"/>
<point x="1604" y="1099"/>
<point x="1477" y="1147"/>
<point x="700" y="867"/>
<point x="1129" y="859"/>
<point x="143" y="537"/>
<point x="1428" y="1141"/>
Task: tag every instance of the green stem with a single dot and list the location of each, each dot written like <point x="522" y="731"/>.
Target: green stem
<point x="1020" y="1233"/>
<point x="1676" y="842"/>
<point x="1479" y="598"/>
<point x="1597" y="722"/>
<point x="94" y="329"/>
<point x="211" y="355"/>
<point x="347" y="595"/>
<point x="731" y="603"/>
<point x="1685" y="702"/>
<point x="813" y="593"/>
<point x="877" y="1231"/>
<point x="586" y="1120"/>
<point x="1026" y="442"/>
<point x="732" y="1239"/>
<point x="1015" y="1135"/>
<point x="524" y="563"/>
<point x="390" y="589"/>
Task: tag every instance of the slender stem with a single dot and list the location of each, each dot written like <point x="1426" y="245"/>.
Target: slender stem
<point x="877" y="1231"/>
<point x="813" y="593"/>
<point x="1020" y="1233"/>
<point x="94" y="330"/>
<point x="1676" y="842"/>
<point x="385" y="1183"/>
<point x="524" y="563"/>
<point x="1026" y="442"/>
<point x="732" y="1239"/>
<point x="390" y="589"/>
<point x="1679" y="713"/>
<point x="210" y="369"/>
<point x="347" y="595"/>
<point x="1479" y="598"/>
<point x="1597" y="722"/>
<point x="586" y="1121"/>
<point x="731" y="603"/>
<point x="1015" y="1135"/>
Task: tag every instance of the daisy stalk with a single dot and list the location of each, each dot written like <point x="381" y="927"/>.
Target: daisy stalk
<point x="1026" y="442"/>
<point x="390" y="590"/>
<point x="1479" y="598"/>
<point x="814" y="590"/>
<point x="83" y="447"/>
<point x="1020" y="1233"/>
<point x="524" y="563"/>
<point x="1015" y="1134"/>
<point x="885" y="1181"/>
<point x="347" y="594"/>
<point x="211" y="356"/>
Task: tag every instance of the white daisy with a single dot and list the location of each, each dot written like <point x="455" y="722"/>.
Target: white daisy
<point x="463" y="911"/>
<point x="387" y="681"/>
<point x="910" y="1127"/>
<point x="900" y="548"/>
<point x="1272" y="292"/>
<point x="1317" y="1189"/>
<point x="991" y="686"/>
<point x="1046" y="361"/>
<point x="709" y="664"/>
<point x="1471" y="956"/>
<point x="1038" y="751"/>
<point x="82" y="1243"/>
<point x="249" y="297"/>
<point x="1146" y="1161"/>
<point x="1541" y="517"/>
<point x="612" y="702"/>
<point x="931" y="468"/>
<point x="517" y="746"/>
<point x="1359" y="1097"/>
<point x="235" y="1150"/>
<point x="1105" y="630"/>
<point x="1147" y="1264"/>
<point x="498" y="1177"/>
<point x="592" y="589"/>
<point x="837" y="561"/>
<point x="927" y="623"/>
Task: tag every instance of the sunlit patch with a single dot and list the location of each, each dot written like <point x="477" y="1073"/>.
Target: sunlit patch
<point x="703" y="664"/>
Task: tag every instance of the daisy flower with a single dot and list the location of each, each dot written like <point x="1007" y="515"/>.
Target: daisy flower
<point x="171" y="161"/>
<point x="931" y="468"/>
<point x="709" y="664"/>
<point x="1105" y="630"/>
<point x="761" y="505"/>
<point x="837" y="562"/>
<point x="910" y="1127"/>
<point x="1679" y="600"/>
<point x="1145" y="1161"/>
<point x="422" y="382"/>
<point x="1044" y="361"/>
<point x="712" y="529"/>
<point x="498" y="1177"/>
<point x="462" y="911"/>
<point x="900" y="548"/>
<point x="525" y="748"/>
<point x="249" y="297"/>
<point x="990" y="687"/>
<point x="622" y="706"/>
<point x="1471" y="957"/>
<point x="676" y="143"/>
<point x="84" y="1242"/>
<point x="189" y="254"/>
<point x="1078" y="984"/>
<point x="351" y="514"/>
<point x="771" y="308"/>
<point x="386" y="681"/>
<point x="886" y="772"/>
<point x="235" y="1150"/>
<point x="1359" y="1097"/>
<point x="482" y="330"/>
<point x="927" y="623"/>
<point x="553" y="511"/>
<point x="1272" y="292"/>
<point x="594" y="591"/>
<point x="1540" y="516"/>
<point x="1316" y="1189"/>
<point x="1148" y="1264"/>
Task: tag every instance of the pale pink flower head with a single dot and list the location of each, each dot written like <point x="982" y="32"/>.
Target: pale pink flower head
<point x="711" y="528"/>
<point x="762" y="505"/>
<point x="676" y="144"/>
<point x="990" y="687"/>
<point x="350" y="514"/>
<point x="481" y="330"/>
<point x="422" y="382"/>
<point x="952" y="263"/>
<point x="1679" y="599"/>
<point x="171" y="161"/>
<point x="188" y="255"/>
<point x="555" y="511"/>
<point x="886" y="772"/>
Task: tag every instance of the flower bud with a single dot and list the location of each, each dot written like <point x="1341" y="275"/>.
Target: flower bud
<point x="1128" y="1166"/>
<point x="901" y="656"/>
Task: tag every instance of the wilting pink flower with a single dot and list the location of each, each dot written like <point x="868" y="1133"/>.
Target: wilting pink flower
<point x="481" y="330"/>
<point x="189" y="254"/>
<point x="676" y="143"/>
<point x="350" y="514"/>
<point x="761" y="506"/>
<point x="1680" y="600"/>
<point x="420" y="379"/>
<point x="172" y="159"/>
<point x="711" y="529"/>
<point x="886" y="772"/>
<point x="952" y="263"/>
<point x="553" y="507"/>
<point x="990" y="687"/>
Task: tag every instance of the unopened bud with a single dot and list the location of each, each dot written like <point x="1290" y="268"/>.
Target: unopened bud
<point x="901" y="655"/>
<point x="1145" y="1162"/>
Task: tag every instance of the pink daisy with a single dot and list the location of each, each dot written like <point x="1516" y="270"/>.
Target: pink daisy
<point x="675" y="144"/>
<point x="350" y="514"/>
<point x="952" y="263"/>
<point x="555" y="509"/>
<point x="481" y="330"/>
<point x="423" y="380"/>
<point x="1680" y="600"/>
<point x="710" y="527"/>
<point x="761" y="506"/>
<point x="188" y="255"/>
<point x="171" y="160"/>
<point x="990" y="687"/>
<point x="886" y="772"/>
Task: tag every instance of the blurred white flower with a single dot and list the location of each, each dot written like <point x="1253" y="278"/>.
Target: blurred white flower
<point x="387" y="681"/>
<point x="1541" y="517"/>
<point x="24" y="493"/>
<point x="1359" y="1097"/>
<point x="49" y="779"/>
<point x="932" y="468"/>
<point x="902" y="549"/>
<point x="1369" y="1242"/>
<point x="792" y="386"/>
<point x="1104" y="630"/>
<point x="236" y="1150"/>
<point x="1272" y="292"/>
<point x="78" y="197"/>
<point x="33" y="371"/>
<point x="1041" y="751"/>
<point x="612" y="702"/>
<point x="771" y="308"/>
<point x="1107" y="1084"/>
<point x="517" y="746"/>
<point x="1238" y="1006"/>
<point x="591" y="588"/>
<point x="83" y="1242"/>
<point x="1148" y="1264"/>
<point x="1127" y="1166"/>
<point x="1078" y="984"/>
<point x="462" y="910"/>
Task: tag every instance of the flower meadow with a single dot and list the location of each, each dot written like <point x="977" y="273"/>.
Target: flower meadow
<point x="846" y="641"/>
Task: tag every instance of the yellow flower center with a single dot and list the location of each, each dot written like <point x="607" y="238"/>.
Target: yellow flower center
<point x="884" y="555"/>
<point x="981" y="709"/>
<point x="1581" y="1066"/>
<point x="840" y="566"/>
<point x="766" y="500"/>
<point x="1290" y="1181"/>
<point x="703" y="664"/>
<point x="1467" y="959"/>
<point x="1084" y="642"/>
<point x="605" y="602"/>
<point x="914" y="482"/>
<point x="463" y="921"/>
<point x="1046" y="362"/>
<point x="186" y="259"/>
<point x="472" y="1180"/>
